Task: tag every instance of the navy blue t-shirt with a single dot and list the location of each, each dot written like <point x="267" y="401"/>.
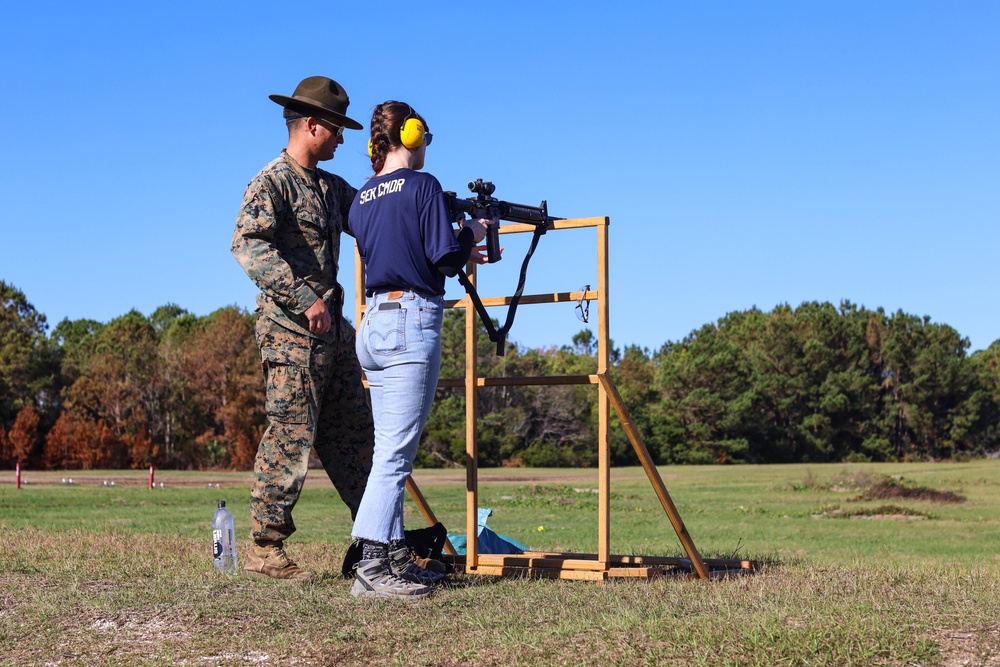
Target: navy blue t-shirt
<point x="402" y="227"/>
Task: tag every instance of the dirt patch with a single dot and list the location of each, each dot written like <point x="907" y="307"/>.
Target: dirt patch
<point x="576" y="477"/>
<point x="965" y="647"/>
<point x="130" y="478"/>
<point x="138" y="628"/>
<point x="316" y="478"/>
<point x="886" y="512"/>
<point x="892" y="489"/>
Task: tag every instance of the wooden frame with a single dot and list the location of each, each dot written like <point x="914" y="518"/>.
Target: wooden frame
<point x="602" y="565"/>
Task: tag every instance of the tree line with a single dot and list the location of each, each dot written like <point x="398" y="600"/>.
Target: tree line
<point x="816" y="383"/>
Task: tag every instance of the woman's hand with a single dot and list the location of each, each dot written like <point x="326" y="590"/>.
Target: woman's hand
<point x="478" y="227"/>
<point x="480" y="255"/>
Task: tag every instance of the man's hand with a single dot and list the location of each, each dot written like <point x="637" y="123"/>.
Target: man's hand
<point x="319" y="317"/>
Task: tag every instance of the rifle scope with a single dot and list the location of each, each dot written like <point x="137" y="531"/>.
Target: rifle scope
<point x="481" y="187"/>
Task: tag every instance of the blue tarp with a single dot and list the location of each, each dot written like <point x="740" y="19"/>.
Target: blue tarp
<point x="489" y="542"/>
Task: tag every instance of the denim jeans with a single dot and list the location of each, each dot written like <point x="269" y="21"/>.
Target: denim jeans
<point x="399" y="347"/>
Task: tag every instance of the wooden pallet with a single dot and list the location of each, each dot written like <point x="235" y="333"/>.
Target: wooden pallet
<point x="550" y="565"/>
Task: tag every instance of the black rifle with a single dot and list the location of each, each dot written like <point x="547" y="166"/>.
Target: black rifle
<point x="484" y="205"/>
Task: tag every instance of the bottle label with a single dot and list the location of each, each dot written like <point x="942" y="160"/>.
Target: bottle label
<point x="217" y="538"/>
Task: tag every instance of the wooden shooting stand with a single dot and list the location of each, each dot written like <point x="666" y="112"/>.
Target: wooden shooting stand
<point x="602" y="565"/>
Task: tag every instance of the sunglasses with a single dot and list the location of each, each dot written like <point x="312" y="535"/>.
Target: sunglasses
<point x="335" y="129"/>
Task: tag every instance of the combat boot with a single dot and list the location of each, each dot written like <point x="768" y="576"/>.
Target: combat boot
<point x="271" y="560"/>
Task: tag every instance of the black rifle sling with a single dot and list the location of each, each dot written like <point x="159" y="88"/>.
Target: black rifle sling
<point x="499" y="336"/>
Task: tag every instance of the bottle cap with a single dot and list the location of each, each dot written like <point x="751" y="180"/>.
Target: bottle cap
<point x="222" y="504"/>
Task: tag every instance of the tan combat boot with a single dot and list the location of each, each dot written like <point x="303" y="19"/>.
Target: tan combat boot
<point x="271" y="560"/>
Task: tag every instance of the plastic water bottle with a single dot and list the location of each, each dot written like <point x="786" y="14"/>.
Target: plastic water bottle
<point x="224" y="537"/>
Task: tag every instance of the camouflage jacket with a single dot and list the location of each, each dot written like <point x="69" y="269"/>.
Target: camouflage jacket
<point x="287" y="239"/>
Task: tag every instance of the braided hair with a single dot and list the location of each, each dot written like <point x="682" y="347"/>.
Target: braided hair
<point x="387" y="119"/>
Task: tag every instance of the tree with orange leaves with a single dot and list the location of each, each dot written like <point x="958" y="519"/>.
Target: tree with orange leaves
<point x="222" y="369"/>
<point x="23" y="436"/>
<point x="121" y="386"/>
<point x="79" y="442"/>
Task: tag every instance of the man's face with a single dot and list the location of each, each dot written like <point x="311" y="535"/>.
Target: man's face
<point x="328" y="137"/>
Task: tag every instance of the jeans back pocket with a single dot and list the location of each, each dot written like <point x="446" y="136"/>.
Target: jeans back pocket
<point x="387" y="331"/>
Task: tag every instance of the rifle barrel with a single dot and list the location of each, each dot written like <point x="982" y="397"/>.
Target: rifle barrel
<point x="527" y="214"/>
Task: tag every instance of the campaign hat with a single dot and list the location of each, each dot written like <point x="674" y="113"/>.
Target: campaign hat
<point x="321" y="97"/>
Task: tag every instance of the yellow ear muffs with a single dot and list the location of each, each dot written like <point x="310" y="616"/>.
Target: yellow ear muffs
<point x="412" y="133"/>
<point x="369" y="148"/>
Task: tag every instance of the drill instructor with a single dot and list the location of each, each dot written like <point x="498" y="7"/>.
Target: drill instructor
<point x="287" y="239"/>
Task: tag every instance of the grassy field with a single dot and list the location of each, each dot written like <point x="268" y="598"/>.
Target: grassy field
<point x="865" y="564"/>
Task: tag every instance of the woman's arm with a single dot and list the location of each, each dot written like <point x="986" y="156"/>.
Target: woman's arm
<point x="450" y="264"/>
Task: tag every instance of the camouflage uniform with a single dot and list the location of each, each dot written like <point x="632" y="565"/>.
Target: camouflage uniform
<point x="287" y="239"/>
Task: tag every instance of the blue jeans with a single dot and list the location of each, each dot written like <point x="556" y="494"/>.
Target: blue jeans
<point x="399" y="347"/>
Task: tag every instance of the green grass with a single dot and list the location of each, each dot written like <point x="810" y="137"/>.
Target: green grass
<point x="94" y="575"/>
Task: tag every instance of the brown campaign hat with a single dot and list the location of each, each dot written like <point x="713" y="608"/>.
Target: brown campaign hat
<point x="320" y="97"/>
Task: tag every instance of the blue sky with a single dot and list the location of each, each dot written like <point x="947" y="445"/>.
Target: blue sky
<point x="747" y="153"/>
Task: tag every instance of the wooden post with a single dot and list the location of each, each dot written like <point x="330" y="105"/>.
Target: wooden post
<point x="471" y="446"/>
<point x="603" y="413"/>
<point x="426" y="510"/>
<point x="654" y="477"/>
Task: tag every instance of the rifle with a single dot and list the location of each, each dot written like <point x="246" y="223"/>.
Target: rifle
<point x="484" y="205"/>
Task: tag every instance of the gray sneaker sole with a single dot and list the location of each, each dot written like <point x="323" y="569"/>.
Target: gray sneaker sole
<point x="359" y="590"/>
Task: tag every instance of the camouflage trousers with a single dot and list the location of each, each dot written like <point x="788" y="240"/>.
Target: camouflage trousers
<point x="315" y="400"/>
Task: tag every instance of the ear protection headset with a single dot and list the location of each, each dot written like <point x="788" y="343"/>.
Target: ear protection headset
<point x="411" y="133"/>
